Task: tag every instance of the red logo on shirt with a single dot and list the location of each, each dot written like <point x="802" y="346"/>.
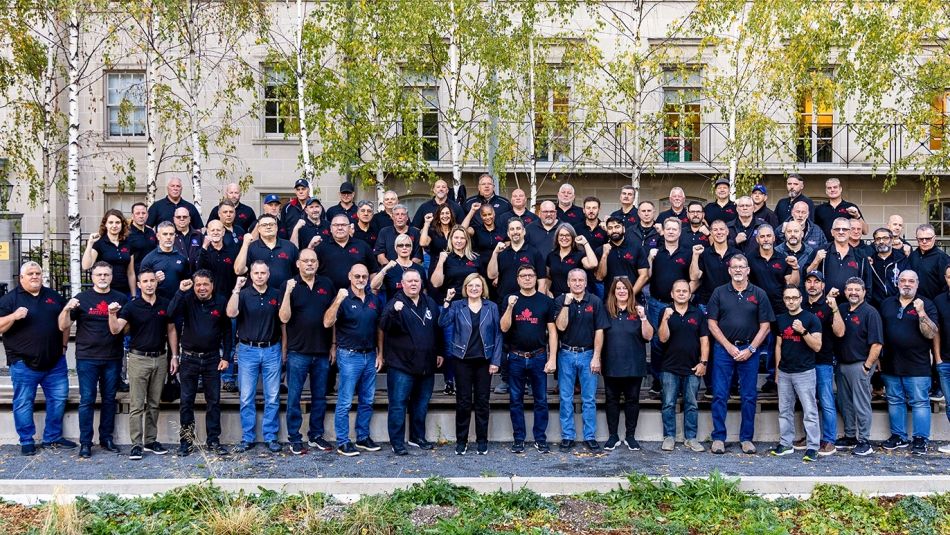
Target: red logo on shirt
<point x="215" y="313"/>
<point x="227" y="260"/>
<point x="353" y="250"/>
<point x="283" y="256"/>
<point x="820" y="314"/>
<point x="524" y="260"/>
<point x="470" y="263"/>
<point x="124" y="250"/>
<point x="273" y="302"/>
<point x="372" y="305"/>
<point x="628" y="256"/>
<point x="161" y="312"/>
<point x="498" y="238"/>
<point x="852" y="264"/>
<point x="590" y="308"/>
<point x="789" y="334"/>
<point x="912" y="312"/>
<point x="681" y="261"/>
<point x="50" y="301"/>
<point x="692" y="321"/>
<point x="752" y="299"/>
<point x="242" y="216"/>
<point x="321" y="291"/>
<point x="777" y="265"/>
<point x="569" y="261"/>
<point x="527" y="316"/>
<point x="101" y="309"/>
<point x="729" y="211"/>
<point x="855" y="320"/>
<point x="704" y="238"/>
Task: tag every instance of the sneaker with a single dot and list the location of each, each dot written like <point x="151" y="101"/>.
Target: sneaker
<point x="449" y="389"/>
<point x="28" y="449"/>
<point x="877" y="394"/>
<point x="184" y="450"/>
<point x="348" y="450"/>
<point x="60" y="443"/>
<point x="894" y="442"/>
<point x="420" y="443"/>
<point x="156" y="448"/>
<point x="707" y="395"/>
<point x="85" y="451"/>
<point x="694" y="445"/>
<point x="367" y="444"/>
<point x="122" y="387"/>
<point x="461" y="448"/>
<point x="592" y="445"/>
<point x="517" y="447"/>
<point x="718" y="447"/>
<point x="229" y="387"/>
<point x="245" y="446"/>
<point x="274" y="446"/>
<point x="734" y="393"/>
<point x="401" y="451"/>
<point x="769" y="387"/>
<point x="919" y="446"/>
<point x="826" y="449"/>
<point x="566" y="445"/>
<point x="668" y="444"/>
<point x="846" y="443"/>
<point x="296" y="448"/>
<point x="632" y="444"/>
<point x="936" y="395"/>
<point x="481" y="448"/>
<point x="810" y="456"/>
<point x="655" y="388"/>
<point x="800" y="444"/>
<point x="780" y="450"/>
<point x="218" y="449"/>
<point x="135" y="454"/>
<point x="748" y="447"/>
<point x="543" y="447"/>
<point x="502" y="388"/>
<point x="862" y="448"/>
<point x="320" y="444"/>
<point x="612" y="443"/>
<point x="944" y="449"/>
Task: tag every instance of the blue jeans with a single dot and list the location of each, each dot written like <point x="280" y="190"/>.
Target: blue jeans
<point x="767" y="352"/>
<point x="410" y="393"/>
<point x="300" y="366"/>
<point x="903" y="391"/>
<point x="254" y="363"/>
<point x="523" y="371"/>
<point x="723" y="368"/>
<point x="654" y="313"/>
<point x="943" y="371"/>
<point x="97" y="376"/>
<point x="229" y="375"/>
<point x="55" y="385"/>
<point x="673" y="384"/>
<point x="825" y="383"/>
<point x="570" y="367"/>
<point x="357" y="371"/>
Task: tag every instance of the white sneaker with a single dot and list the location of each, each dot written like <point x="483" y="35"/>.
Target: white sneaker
<point x="668" y="444"/>
<point x="944" y="449"/>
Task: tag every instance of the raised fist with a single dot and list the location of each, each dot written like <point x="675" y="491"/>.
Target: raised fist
<point x="501" y="246"/>
<point x="607" y="248"/>
<point x="299" y="225"/>
<point x="667" y="313"/>
<point x="240" y="282"/>
<point x="450" y="294"/>
<point x="342" y="294"/>
<point x="641" y="312"/>
<point x="580" y="240"/>
<point x="443" y="255"/>
<point x="185" y="285"/>
<point x="820" y="254"/>
<point x="791" y="261"/>
<point x="206" y="242"/>
<point x="568" y="297"/>
<point x="391" y="264"/>
<point x="698" y="249"/>
<point x="72" y="303"/>
<point x="291" y="284"/>
<point x="853" y="212"/>
<point x="428" y="218"/>
<point x="115" y="307"/>
<point x="20" y="313"/>
<point x="397" y="306"/>
<point x="652" y="254"/>
<point x="160" y="276"/>
<point x="918" y="304"/>
<point x="94" y="237"/>
<point x="476" y="206"/>
<point x="741" y="237"/>
<point x="832" y="294"/>
<point x="512" y="299"/>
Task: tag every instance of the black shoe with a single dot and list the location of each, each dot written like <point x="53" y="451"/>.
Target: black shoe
<point x="461" y="448"/>
<point x="592" y="445"/>
<point x="919" y="446"/>
<point x="481" y="448"/>
<point x="449" y="389"/>
<point x="320" y="444"/>
<point x="109" y="445"/>
<point x="60" y="443"/>
<point x="420" y="443"/>
<point x="734" y="393"/>
<point x="656" y="388"/>
<point x="862" y="448"/>
<point x="229" y="387"/>
<point x="217" y="448"/>
<point x="542" y="447"/>
<point x="296" y="448"/>
<point x="400" y="451"/>
<point x="632" y="444"/>
<point x="274" y="446"/>
<point x="846" y="443"/>
<point x="348" y="450"/>
<point x="283" y="389"/>
<point x="517" y="447"/>
<point x="28" y="449"/>
<point x="781" y="451"/>
<point x="810" y="456"/>
<point x="85" y="451"/>
<point x="566" y="445"/>
<point x="156" y="448"/>
<point x="135" y="454"/>
<point x="245" y="446"/>
<point x="894" y="442"/>
<point x="367" y="444"/>
<point x="184" y="449"/>
<point x="123" y="387"/>
<point x="769" y="387"/>
<point x="612" y="443"/>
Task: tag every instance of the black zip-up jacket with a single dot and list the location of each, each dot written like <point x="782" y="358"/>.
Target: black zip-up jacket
<point x="412" y="337"/>
<point x="884" y="272"/>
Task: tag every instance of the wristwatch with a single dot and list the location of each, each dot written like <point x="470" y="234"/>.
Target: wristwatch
<point x="753" y="349"/>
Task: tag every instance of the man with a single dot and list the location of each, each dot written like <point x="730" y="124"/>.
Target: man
<point x="141" y="239"/>
<point x="721" y="208"/>
<point x="170" y="266"/>
<point x="826" y="213"/>
<point x="739" y="315"/>
<point x="346" y="206"/>
<point x="795" y="185"/>
<point x="799" y="338"/>
<point x="683" y="328"/>
<point x="592" y="229"/>
<point x="622" y="257"/>
<point x="233" y="233"/>
<point x="711" y="267"/>
<point x="697" y="233"/>
<point x="487" y="196"/>
<point x="412" y="349"/>
<point x="929" y="262"/>
<point x="895" y="224"/>
<point x="338" y="255"/>
<point x="531" y="339"/>
<point x="580" y="319"/>
<point x="838" y="261"/>
<point x="645" y="233"/>
<point x="627" y="213"/>
<point x="857" y="327"/>
<point x="942" y="357"/>
<point x="824" y="308"/>
<point x="793" y="245"/>
<point x="519" y="208"/>
<point x="385" y="249"/>
<point x="886" y="265"/>
<point x="909" y="331"/>
<point x="265" y="246"/>
<point x="363" y="228"/>
<point x="384" y="218"/>
<point x="187" y="240"/>
<point x="205" y="328"/>
<point x="440" y="196"/>
<point x="812" y="236"/>
<point x="677" y="207"/>
<point x="307" y="351"/>
<point x="354" y="317"/>
<point x="742" y="229"/>
<point x="244" y="214"/>
<point x="507" y="257"/>
<point x="567" y="211"/>
<point x="34" y="343"/>
<point x="218" y="257"/>
<point x="259" y="344"/>
<point x="855" y="240"/>
<point x="272" y="208"/>
<point x="98" y="359"/>
<point x="311" y="229"/>
<point x="293" y="210"/>
<point x="164" y="208"/>
<point x="540" y="234"/>
<point x="760" y="195"/>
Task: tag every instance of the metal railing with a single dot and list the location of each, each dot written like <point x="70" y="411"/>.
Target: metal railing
<point x="30" y="247"/>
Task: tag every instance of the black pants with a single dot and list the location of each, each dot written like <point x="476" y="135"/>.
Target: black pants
<point x="471" y="380"/>
<point x="627" y="388"/>
<point x="189" y="369"/>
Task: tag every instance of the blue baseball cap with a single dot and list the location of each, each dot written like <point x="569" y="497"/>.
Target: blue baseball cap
<point x="272" y="198"/>
<point x="760" y="188"/>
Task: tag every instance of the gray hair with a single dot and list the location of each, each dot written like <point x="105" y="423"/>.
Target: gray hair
<point x="400" y="207"/>
<point x="165" y="224"/>
<point x="29" y="264"/>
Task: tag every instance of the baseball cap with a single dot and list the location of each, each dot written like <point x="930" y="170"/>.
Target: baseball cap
<point x="722" y="181"/>
<point x="816" y="274"/>
<point x="301" y="182"/>
<point x="271" y="198"/>
<point x="347" y="187"/>
<point x="312" y="200"/>
<point x="760" y="188"/>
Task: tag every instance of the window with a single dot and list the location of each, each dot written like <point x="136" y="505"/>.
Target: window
<point x="551" y="123"/>
<point x="125" y="104"/>
<point x="425" y="123"/>
<point x="123" y="201"/>
<point x="280" y="102"/>
<point x="938" y="128"/>
<point x="940" y="217"/>
<point x="681" y="115"/>
<point x="815" y="130"/>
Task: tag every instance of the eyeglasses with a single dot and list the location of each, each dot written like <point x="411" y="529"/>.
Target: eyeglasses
<point x="925" y="238"/>
<point x="841" y="229"/>
<point x="360" y="277"/>
<point x="791" y="297"/>
<point x="527" y="276"/>
<point x="182" y="216"/>
<point x="265" y="225"/>
<point x="404" y="245"/>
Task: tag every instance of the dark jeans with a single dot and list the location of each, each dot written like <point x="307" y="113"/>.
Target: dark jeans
<point x="529" y="371"/>
<point x="629" y="389"/>
<point x="724" y="366"/>
<point x="97" y="376"/>
<point x="410" y="393"/>
<point x="190" y="368"/>
<point x="300" y="366"/>
<point x="55" y="384"/>
<point x="471" y="380"/>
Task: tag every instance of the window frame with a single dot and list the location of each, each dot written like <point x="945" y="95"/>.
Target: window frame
<point x="127" y="132"/>
<point x="268" y="70"/>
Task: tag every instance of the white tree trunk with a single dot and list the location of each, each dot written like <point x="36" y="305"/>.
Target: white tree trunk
<point x="637" y="128"/>
<point x="49" y="161"/>
<point x="532" y="121"/>
<point x="151" y="119"/>
<point x="72" y="165"/>
<point x="299" y="73"/>
<point x="733" y="154"/>
<point x="453" y="112"/>
<point x="193" y="121"/>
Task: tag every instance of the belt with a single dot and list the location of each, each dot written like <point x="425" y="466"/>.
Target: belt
<point x="528" y="354"/>
<point x="201" y="356"/>
<point x="741" y="342"/>
<point x="576" y="349"/>
<point x="256" y="344"/>
<point x="150" y="354"/>
<point x="370" y="350"/>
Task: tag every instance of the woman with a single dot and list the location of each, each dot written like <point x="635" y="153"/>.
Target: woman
<point x="624" y="361"/>
<point x="390" y="275"/>
<point x="434" y="236"/>
<point x="476" y="345"/>
<point x="485" y="236"/>
<point x="570" y="251"/>
<point x="363" y="229"/>
<point x="110" y="245"/>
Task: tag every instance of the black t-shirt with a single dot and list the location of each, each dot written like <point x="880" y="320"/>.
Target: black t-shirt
<point x="797" y="357"/>
<point x="715" y="270"/>
<point x="305" y="330"/>
<point x="726" y="213"/>
<point x="310" y="230"/>
<point x="257" y="319"/>
<point x="484" y="241"/>
<point x="282" y="260"/>
<point x="783" y="209"/>
<point x="221" y="265"/>
<point x="691" y="237"/>
<point x="367" y="236"/>
<point x="336" y="260"/>
<point x="596" y="236"/>
<point x="206" y="323"/>
<point x="438" y="242"/>
<point x="338" y="209"/>
<point x="476" y="346"/>
<point x="429" y="207"/>
<point x="625" y="350"/>
<point x="164" y="210"/>
<point x="862" y="328"/>
<point x="148" y="324"/>
<point x="454" y="271"/>
<point x="94" y="340"/>
<point x="584" y="317"/>
<point x="821" y="310"/>
<point x="942" y="302"/>
<point x="739" y="313"/>
<point x="573" y="215"/>
<point x="141" y="242"/>
<point x="667" y="269"/>
<point x="386" y="242"/>
<point x="118" y="256"/>
<point x="35" y="339"/>
<point x="559" y="267"/>
<point x="625" y="259"/>
<point x="356" y="323"/>
<point x="683" y="217"/>
<point x="825" y="215"/>
<point x="906" y="351"/>
<point x="770" y="276"/>
<point x="173" y="264"/>
<point x="527" y="216"/>
<point x="629" y="219"/>
<point x="392" y="282"/>
<point x="510" y="260"/>
<point x="683" y="349"/>
<point x="529" y="322"/>
<point x="244" y="216"/>
<point x="541" y="238"/>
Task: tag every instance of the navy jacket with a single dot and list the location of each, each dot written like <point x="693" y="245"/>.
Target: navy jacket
<point x="457" y="320"/>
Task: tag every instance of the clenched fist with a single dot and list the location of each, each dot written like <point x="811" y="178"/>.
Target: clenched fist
<point x="114" y="308"/>
<point x="397" y="306"/>
<point x="501" y="247"/>
<point x="512" y="299"/>
<point x="20" y="313"/>
<point x="580" y="240"/>
<point x="428" y="218"/>
<point x="698" y="249"/>
<point x="241" y="281"/>
<point x="185" y="285"/>
<point x="342" y="294"/>
<point x="450" y="294"/>
<point x="72" y="303"/>
<point x="291" y="284"/>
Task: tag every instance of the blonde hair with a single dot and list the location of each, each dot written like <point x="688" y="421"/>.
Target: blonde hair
<point x="467" y="252"/>
<point x="470" y="278"/>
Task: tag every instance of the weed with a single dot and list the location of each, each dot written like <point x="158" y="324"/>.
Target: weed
<point x="433" y="491"/>
<point x="63" y="518"/>
<point x="240" y="519"/>
<point x="372" y="516"/>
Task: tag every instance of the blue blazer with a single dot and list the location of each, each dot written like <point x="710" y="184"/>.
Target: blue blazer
<point x="457" y="322"/>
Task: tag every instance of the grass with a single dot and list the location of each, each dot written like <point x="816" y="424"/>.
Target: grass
<point x="713" y="505"/>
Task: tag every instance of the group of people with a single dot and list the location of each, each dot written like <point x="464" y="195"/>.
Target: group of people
<point x="484" y="286"/>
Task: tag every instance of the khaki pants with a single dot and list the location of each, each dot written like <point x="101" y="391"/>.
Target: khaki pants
<point x="146" y="378"/>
